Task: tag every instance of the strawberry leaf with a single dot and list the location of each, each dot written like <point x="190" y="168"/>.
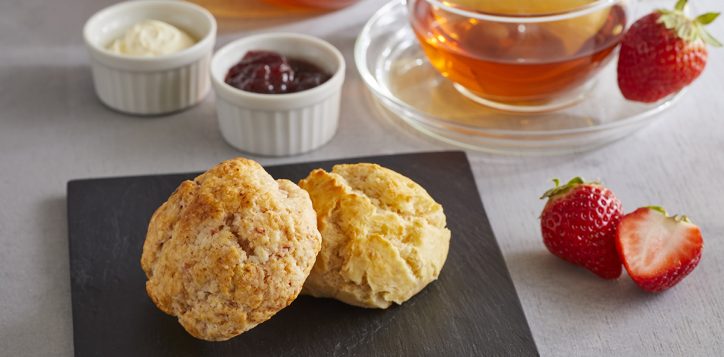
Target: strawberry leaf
<point x="658" y="209"/>
<point x="558" y="189"/>
<point x="708" y="38"/>
<point x="707" y="18"/>
<point x="689" y="30"/>
<point x="677" y="218"/>
<point x="680" y="5"/>
<point x="682" y="218"/>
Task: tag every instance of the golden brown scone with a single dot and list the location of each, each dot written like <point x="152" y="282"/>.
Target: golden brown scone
<point x="383" y="236"/>
<point x="229" y="249"/>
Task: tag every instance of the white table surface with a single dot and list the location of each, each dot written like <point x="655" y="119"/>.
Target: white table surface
<point x="53" y="129"/>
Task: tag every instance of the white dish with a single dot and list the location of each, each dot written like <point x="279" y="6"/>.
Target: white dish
<point x="150" y="85"/>
<point x="279" y="124"/>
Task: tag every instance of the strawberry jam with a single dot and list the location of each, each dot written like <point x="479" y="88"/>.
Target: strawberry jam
<point x="271" y="73"/>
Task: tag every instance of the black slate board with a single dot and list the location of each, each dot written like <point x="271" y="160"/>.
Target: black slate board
<point x="472" y="309"/>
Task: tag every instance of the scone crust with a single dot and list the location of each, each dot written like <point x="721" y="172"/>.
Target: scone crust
<point x="383" y="237"/>
<point x="229" y="249"/>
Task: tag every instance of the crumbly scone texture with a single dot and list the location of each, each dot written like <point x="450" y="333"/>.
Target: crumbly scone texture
<point x="230" y="249"/>
<point x="383" y="236"/>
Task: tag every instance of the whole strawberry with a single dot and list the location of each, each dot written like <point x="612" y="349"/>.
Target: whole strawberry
<point x="662" y="53"/>
<point x="658" y="250"/>
<point x="579" y="225"/>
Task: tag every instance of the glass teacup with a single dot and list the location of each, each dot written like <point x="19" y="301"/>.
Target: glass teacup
<point x="520" y="55"/>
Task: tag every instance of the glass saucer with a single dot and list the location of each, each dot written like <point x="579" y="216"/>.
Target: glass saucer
<point x="397" y="72"/>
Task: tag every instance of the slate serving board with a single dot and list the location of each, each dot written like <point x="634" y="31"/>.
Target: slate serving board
<point x="472" y="309"/>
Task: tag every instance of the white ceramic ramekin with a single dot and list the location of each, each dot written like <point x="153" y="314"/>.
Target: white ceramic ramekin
<point x="279" y="124"/>
<point x="150" y="85"/>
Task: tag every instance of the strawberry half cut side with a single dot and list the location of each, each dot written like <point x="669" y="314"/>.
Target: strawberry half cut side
<point x="658" y="250"/>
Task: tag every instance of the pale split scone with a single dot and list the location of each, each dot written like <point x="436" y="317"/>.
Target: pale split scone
<point x="229" y="249"/>
<point x="383" y="237"/>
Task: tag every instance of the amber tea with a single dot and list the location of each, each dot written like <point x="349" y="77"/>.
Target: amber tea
<point x="514" y="61"/>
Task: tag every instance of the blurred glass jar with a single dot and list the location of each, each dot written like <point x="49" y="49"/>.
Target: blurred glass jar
<point x="255" y="9"/>
<point x="320" y="4"/>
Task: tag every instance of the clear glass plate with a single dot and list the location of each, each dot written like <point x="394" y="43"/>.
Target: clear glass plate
<point x="397" y="72"/>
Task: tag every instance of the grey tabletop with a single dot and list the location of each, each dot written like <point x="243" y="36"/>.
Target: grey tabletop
<point x="53" y="129"/>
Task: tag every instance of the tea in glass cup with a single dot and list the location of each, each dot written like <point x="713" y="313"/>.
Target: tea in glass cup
<point x="520" y="55"/>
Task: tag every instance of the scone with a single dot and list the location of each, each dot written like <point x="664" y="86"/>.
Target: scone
<point x="230" y="249"/>
<point x="383" y="236"/>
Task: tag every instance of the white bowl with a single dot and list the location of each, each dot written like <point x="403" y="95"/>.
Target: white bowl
<point x="150" y="85"/>
<point x="279" y="124"/>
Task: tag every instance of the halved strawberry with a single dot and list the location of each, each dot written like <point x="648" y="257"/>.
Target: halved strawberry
<point x="658" y="250"/>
